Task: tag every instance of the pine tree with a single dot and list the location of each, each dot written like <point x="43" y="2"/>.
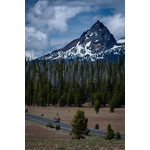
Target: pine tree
<point x="91" y="86"/>
<point x="118" y="136"/>
<point x="62" y="100"/>
<point x="77" y="100"/>
<point x="108" y="97"/>
<point x="59" y="93"/>
<point x="35" y="95"/>
<point x="96" y="106"/>
<point x="81" y="96"/>
<point x="104" y="78"/>
<point x="29" y="93"/>
<point x="67" y="87"/>
<point x="40" y="98"/>
<point x="104" y="98"/>
<point x="116" y="101"/>
<point x="54" y="96"/>
<point x="70" y="98"/>
<point x="49" y="101"/>
<point x="110" y="133"/>
<point x="79" y="125"/>
<point x="92" y="99"/>
<point x="121" y="96"/>
<point x="111" y="105"/>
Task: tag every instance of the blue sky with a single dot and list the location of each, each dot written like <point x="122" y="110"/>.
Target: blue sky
<point x="51" y="24"/>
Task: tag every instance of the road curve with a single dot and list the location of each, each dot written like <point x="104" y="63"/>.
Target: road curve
<point x="63" y="124"/>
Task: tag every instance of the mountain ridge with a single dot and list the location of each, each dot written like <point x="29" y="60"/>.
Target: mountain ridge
<point x="95" y="43"/>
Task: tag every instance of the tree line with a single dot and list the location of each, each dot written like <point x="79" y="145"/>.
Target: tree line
<point x="72" y="83"/>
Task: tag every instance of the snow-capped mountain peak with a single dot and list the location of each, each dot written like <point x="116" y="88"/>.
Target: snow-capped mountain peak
<point x="97" y="42"/>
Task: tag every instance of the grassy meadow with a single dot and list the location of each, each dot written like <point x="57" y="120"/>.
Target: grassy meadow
<point x="66" y="114"/>
<point x="38" y="136"/>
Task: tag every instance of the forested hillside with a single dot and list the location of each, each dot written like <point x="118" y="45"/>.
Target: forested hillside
<point x="73" y="83"/>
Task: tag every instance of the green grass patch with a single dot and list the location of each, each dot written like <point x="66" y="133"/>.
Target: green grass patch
<point x="75" y="144"/>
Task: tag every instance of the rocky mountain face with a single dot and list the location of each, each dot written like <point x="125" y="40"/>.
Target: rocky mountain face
<point x="95" y="43"/>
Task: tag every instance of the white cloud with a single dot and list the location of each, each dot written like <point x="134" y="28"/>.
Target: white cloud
<point x="54" y="17"/>
<point x="40" y="6"/>
<point x="115" y="24"/>
<point x="100" y="3"/>
<point x="44" y="19"/>
<point x="30" y="31"/>
<point x="47" y="17"/>
<point x="31" y="54"/>
<point x="35" y="39"/>
<point x="62" y="14"/>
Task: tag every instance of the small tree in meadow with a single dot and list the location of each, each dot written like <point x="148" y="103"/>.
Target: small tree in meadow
<point x="111" y="106"/>
<point x="96" y="106"/>
<point x="97" y="126"/>
<point x="57" y="127"/>
<point x="118" y="136"/>
<point x="110" y="133"/>
<point x="79" y="125"/>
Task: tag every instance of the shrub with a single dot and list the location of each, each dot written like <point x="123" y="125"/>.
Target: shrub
<point x="49" y="125"/>
<point x="110" y="133"/>
<point x="118" y="136"/>
<point x="57" y="127"/>
<point x="59" y="118"/>
<point x="42" y="115"/>
<point x="26" y="110"/>
<point x="97" y="126"/>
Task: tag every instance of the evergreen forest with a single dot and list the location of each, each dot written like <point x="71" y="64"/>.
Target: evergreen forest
<point x="73" y="83"/>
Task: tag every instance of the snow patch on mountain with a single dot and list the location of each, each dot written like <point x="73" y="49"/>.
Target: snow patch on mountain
<point x="79" y="48"/>
<point x="121" y="41"/>
<point x="87" y="51"/>
<point x="115" y="53"/>
<point x="96" y="34"/>
<point x="86" y="38"/>
<point x="116" y="46"/>
<point x="91" y="34"/>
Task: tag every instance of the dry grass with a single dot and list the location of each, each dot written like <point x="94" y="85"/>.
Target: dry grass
<point x="66" y="114"/>
<point x="38" y="132"/>
<point x="39" y="137"/>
